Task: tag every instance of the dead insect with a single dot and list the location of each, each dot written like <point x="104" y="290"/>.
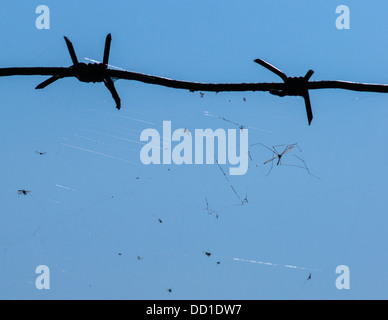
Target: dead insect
<point x="169" y="290"/>
<point x="278" y="156"/>
<point x="139" y="258"/>
<point x="160" y="220"/>
<point x="208" y="254"/>
<point x="187" y="131"/>
<point x="309" y="277"/>
<point x="202" y="94"/>
<point x="218" y="262"/>
<point x="24" y="192"/>
<point x="245" y="100"/>
<point x="40" y="153"/>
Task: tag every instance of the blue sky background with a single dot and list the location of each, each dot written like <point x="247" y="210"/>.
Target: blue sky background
<point x="87" y="205"/>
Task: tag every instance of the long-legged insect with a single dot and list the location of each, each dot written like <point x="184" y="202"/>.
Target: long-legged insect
<point x="278" y="155"/>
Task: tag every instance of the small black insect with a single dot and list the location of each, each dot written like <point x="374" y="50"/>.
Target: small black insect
<point x="208" y="254"/>
<point x="160" y="220"/>
<point x="24" y="192"/>
<point x="40" y="153"/>
<point x="309" y="277"/>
